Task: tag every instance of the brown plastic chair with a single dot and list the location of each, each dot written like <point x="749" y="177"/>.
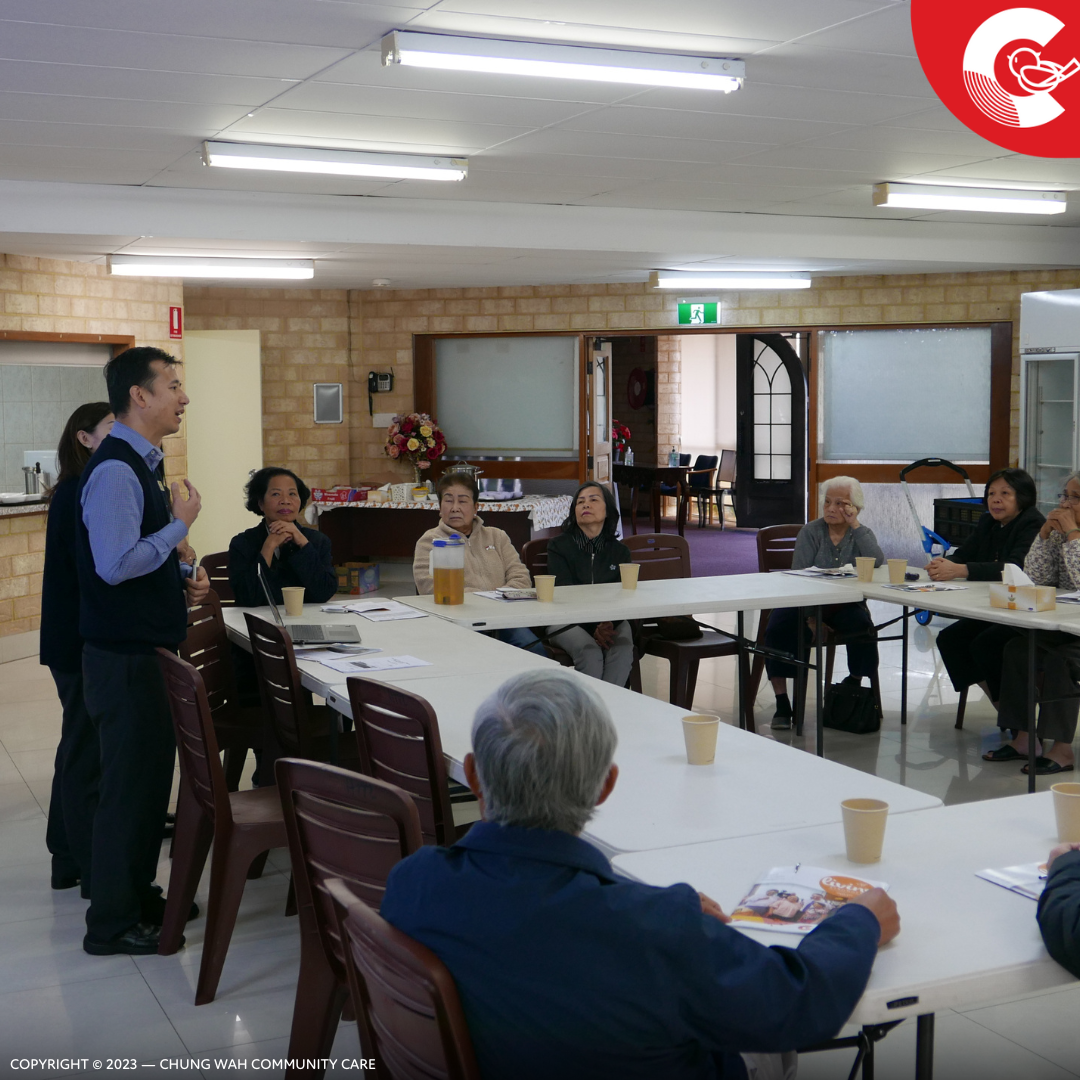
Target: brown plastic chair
<point x="238" y="728"/>
<point x="340" y="825"/>
<point x="725" y="475"/>
<point x="534" y="556"/>
<point x="776" y="547"/>
<point x="243" y="825"/>
<point x="397" y="737"/>
<point x="662" y="556"/>
<point x="217" y="570"/>
<point x="300" y="728"/>
<point x="408" y="1011"/>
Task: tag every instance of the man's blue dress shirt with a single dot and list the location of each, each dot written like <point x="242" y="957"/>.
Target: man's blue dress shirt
<point x="565" y="969"/>
<point x="112" y="509"/>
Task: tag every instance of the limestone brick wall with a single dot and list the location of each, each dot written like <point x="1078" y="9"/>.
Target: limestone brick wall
<point x="383" y="322"/>
<point x="55" y="296"/>
<point x="304" y="336"/>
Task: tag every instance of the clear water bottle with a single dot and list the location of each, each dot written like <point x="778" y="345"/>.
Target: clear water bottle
<point x="673" y="457"/>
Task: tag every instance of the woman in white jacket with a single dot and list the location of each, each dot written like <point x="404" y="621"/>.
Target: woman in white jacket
<point x="490" y="558"/>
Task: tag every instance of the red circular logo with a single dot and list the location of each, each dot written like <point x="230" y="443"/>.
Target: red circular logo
<point x="1009" y="73"/>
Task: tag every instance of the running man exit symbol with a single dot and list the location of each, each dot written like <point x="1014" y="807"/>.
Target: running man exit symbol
<point x="698" y="313"/>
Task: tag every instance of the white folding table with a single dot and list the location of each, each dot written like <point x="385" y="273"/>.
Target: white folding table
<point x="963" y="941"/>
<point x="740" y="593"/>
<point x="972" y="601"/>
<point x="659" y="800"/>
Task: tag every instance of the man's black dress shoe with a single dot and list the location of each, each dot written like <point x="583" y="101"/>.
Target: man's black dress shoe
<point x="139" y="940"/>
<point x="65" y="881"/>
<point x="170" y="827"/>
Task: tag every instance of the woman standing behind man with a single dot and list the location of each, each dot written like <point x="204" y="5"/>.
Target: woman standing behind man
<point x="74" y="786"/>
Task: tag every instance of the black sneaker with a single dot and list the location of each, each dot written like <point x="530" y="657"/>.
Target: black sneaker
<point x="139" y="940"/>
<point x="781" y="720"/>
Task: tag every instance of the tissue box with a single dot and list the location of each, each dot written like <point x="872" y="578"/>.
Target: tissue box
<point x="357" y="578"/>
<point x="1023" y="597"/>
<point x="378" y="496"/>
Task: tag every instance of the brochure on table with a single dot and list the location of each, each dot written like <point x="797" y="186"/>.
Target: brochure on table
<point x="376" y="610"/>
<point x="1028" y="880"/>
<point x="795" y="899"/>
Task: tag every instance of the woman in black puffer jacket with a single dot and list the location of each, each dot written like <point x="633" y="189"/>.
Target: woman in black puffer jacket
<point x="588" y="553"/>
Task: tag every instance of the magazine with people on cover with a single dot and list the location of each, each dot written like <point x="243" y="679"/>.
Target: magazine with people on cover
<point x="795" y="899"/>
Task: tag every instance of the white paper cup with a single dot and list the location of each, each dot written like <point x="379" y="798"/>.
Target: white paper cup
<point x="628" y="571"/>
<point x="699" y="732"/>
<point x="864" y="828"/>
<point x="864" y="567"/>
<point x="545" y="587"/>
<point x="897" y="570"/>
<point x="294" y="599"/>
<point x="1067" y="812"/>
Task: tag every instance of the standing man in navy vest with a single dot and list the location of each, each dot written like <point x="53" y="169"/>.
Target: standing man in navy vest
<point x="134" y="593"/>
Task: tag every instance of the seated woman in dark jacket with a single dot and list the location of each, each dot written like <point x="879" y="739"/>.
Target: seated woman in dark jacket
<point x="587" y="553"/>
<point x="972" y="649"/>
<point x="291" y="554"/>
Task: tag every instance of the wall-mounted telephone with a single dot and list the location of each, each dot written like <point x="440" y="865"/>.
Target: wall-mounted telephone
<point x="378" y="382"/>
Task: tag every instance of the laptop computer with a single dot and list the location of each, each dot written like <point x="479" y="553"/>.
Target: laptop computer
<point x="308" y="633"/>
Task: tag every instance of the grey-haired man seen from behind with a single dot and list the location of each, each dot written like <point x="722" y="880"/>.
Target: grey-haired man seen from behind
<point x="566" y="968"/>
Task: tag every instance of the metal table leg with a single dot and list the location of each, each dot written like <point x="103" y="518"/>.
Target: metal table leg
<point x="746" y="708"/>
<point x="819" y="673"/>
<point x="903" y="669"/>
<point x="800" y="674"/>
<point x="924" y="1047"/>
<point x="1031" y="709"/>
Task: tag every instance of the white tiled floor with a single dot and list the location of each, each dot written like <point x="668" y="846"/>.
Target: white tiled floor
<point x="56" y="1001"/>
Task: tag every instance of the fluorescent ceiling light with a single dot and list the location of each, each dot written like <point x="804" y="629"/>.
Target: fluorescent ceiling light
<point x="562" y="61"/>
<point x="198" y="267"/>
<point x="309" y="159"/>
<point x="989" y="200"/>
<point x="683" y="279"/>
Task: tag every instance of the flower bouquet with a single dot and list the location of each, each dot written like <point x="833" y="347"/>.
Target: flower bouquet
<point x="417" y="439"/>
<point x="620" y="437"/>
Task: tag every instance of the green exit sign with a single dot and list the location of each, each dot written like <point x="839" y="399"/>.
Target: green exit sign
<point x="704" y="312"/>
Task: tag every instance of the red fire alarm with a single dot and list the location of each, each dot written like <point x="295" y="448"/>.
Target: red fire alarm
<point x="176" y="322"/>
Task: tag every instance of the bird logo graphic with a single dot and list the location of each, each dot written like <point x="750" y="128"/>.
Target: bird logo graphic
<point x="1008" y="40"/>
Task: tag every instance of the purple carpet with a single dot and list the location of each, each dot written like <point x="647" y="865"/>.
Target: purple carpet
<point x="714" y="552"/>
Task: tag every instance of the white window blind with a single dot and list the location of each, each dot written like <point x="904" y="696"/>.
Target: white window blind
<point x="508" y="396"/>
<point x="901" y="395"/>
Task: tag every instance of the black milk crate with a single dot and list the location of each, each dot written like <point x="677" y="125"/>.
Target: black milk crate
<point x="955" y="519"/>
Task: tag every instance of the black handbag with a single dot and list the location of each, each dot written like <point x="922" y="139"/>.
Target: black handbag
<point x="851" y="707"/>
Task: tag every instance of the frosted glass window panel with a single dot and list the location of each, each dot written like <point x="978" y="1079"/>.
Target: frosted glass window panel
<point x="508" y="395"/>
<point x="781" y="438"/>
<point x="781" y="409"/>
<point x="762" y="469"/>
<point x="781" y="467"/>
<point x="901" y="395"/>
<point x="762" y="442"/>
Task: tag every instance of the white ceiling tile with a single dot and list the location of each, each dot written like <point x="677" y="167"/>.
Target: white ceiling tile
<point x="123" y="112"/>
<point x="110" y="82"/>
<point x="884" y="137"/>
<point x="317" y="96"/>
<point x="373" y="132"/>
<point x="887" y="30"/>
<point x="716" y="126"/>
<point x="602" y="145"/>
<point x="298" y="22"/>
<point x="17" y="134"/>
<point x="936" y="118"/>
<point x="1020" y="167"/>
<point x="38" y="163"/>
<point x="508" y="159"/>
<point x="752" y="175"/>
<point x="883" y="164"/>
<point x="763" y="19"/>
<point x="835" y="69"/>
<point x="168" y="52"/>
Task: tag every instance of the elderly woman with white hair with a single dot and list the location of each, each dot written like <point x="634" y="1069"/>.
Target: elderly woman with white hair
<point x="834" y="539"/>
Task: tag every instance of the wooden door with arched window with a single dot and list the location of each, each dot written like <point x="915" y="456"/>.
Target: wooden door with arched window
<point x="770" y="485"/>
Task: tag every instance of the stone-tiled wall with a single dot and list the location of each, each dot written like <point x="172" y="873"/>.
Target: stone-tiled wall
<point x="55" y="296"/>
<point x="304" y="335"/>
